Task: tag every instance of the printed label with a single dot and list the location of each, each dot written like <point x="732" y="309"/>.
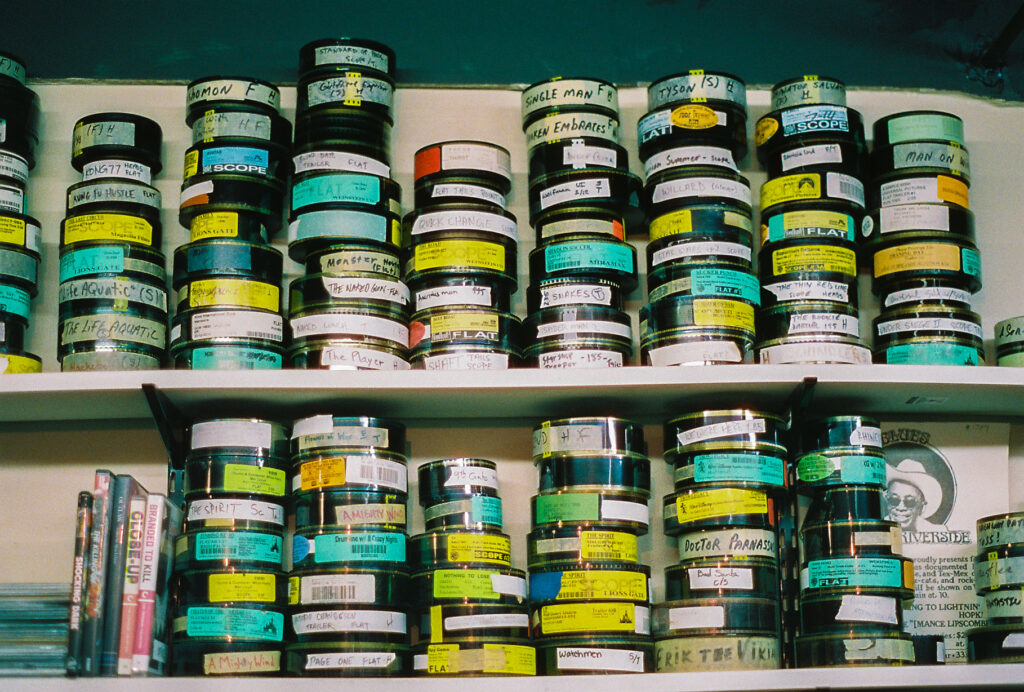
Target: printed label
<point x="790" y="188"/>
<point x="913" y="217"/>
<point x="478" y="509"/>
<point x="720" y="502"/>
<point x="694" y="116"/>
<point x="15" y="302"/>
<point x="814" y="258"/>
<point x="567" y="507"/>
<point x="842" y="186"/>
<point x="353" y="188"/>
<point x="476" y="157"/>
<point x="929" y="190"/>
<point x="238" y="545"/>
<point x="744" y="543"/>
<point x="239" y="292"/>
<point x="811" y="119"/>
<point x="852" y="571"/>
<point x="12" y="199"/>
<point x="12" y="231"/>
<point x="591" y="255"/>
<point x="607" y="545"/>
<point x="593" y="188"/>
<point x="476" y="583"/>
<point x="853" y="468"/>
<point x="590" y="658"/>
<point x="243" y="478"/>
<point x="244" y="623"/>
<point x="803" y="224"/>
<point x="459" y="253"/>
<point x="250" y="510"/>
<point x="120" y="227"/>
<point x="257" y="588"/>
<point x="754" y="468"/>
<point x="245" y="324"/>
<point x="104" y="327"/>
<point x="465" y="220"/>
<point x="716" y="312"/>
<point x="349" y="621"/>
<point x="588" y="585"/>
<point x="369" y="546"/>
<point x="594" y="617"/>
<point x="479" y="548"/>
<point x="337" y="588"/>
<point x="938" y="256"/>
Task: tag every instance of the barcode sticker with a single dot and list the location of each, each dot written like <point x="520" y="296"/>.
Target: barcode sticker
<point x="377" y="471"/>
<point x="338" y="588"/>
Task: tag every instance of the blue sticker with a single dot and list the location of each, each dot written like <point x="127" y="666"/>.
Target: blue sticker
<point x="339" y="223"/>
<point x="753" y="468"/>
<point x="356" y="188"/>
<point x="14" y="301"/>
<point x="861" y="469"/>
<point x="300" y="548"/>
<point x="545" y="586"/>
<point x="853" y="571"/>
<point x="235" y="358"/>
<point x="249" y="156"/>
<point x="101" y="260"/>
<point x="240" y="545"/>
<point x="931" y="354"/>
<point x="725" y="283"/>
<point x="777" y="226"/>
<point x="486" y="509"/>
<point x="243" y="623"/>
<point x="589" y="255"/>
<point x="970" y="260"/>
<point x="370" y="546"/>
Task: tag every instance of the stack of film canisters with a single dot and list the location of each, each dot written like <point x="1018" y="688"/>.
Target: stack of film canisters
<point x="461" y="259"/>
<point x="350" y="309"/>
<point x="470" y="615"/>
<point x="227" y="278"/>
<point x="999" y="579"/>
<point x="113" y="286"/>
<point x="920" y="238"/>
<point x="812" y="146"/>
<point x="20" y="235"/>
<point x="230" y="590"/>
<point x="723" y="608"/>
<point x="349" y="595"/>
<point x="853" y="576"/>
<point x="700" y="282"/>
<point x="583" y="203"/>
<point x="589" y="594"/>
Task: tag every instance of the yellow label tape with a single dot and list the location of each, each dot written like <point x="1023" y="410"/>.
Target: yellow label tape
<point x="912" y="257"/>
<point x="254" y="588"/>
<point x="322" y="473"/>
<point x="122" y="227"/>
<point x="720" y="502"/>
<point x="479" y="548"/>
<point x="459" y="253"/>
<point x="240" y="292"/>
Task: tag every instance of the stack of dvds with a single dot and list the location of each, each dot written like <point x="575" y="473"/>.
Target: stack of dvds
<point x="920" y="236"/>
<point x="113" y="288"/>
<point x="462" y="259"/>
<point x="701" y="287"/>
<point x="853" y="576"/>
<point x="724" y="604"/>
<point x="227" y="277"/>
<point x="583" y="201"/>
<point x="20" y="234"/>
<point x="350" y="309"/>
<point x="33" y="629"/>
<point x="124" y="543"/>
<point x="812" y="146"/>
<point x="589" y="594"/>
<point x="349" y="585"/>
<point x="999" y="579"/>
<point x="230" y="589"/>
<point x="470" y="616"/>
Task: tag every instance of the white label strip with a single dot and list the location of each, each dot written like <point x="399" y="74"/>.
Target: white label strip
<point x="464" y="220"/>
<point x="376" y="471"/>
<point x="701" y="187"/>
<point x="732" y="578"/>
<point x="456" y="156"/>
<point x="815" y="352"/>
<point x="349" y="323"/>
<point x="689" y="156"/>
<point x="342" y="661"/>
<point x="472" y="475"/>
<point x="236" y="509"/>
<point x="809" y="290"/>
<point x="583" y="326"/>
<point x="625" y="511"/>
<point x="508" y="585"/>
<point x="349" y="621"/>
<point x="811" y="156"/>
<point x="374" y="289"/>
<point x="696" y="617"/>
<point x="467" y="622"/>
<point x="464" y="190"/>
<point x="246" y="324"/>
<point x="816" y="322"/>
<point x="866" y="436"/>
<point x="861" y="608"/>
<point x="726" y="429"/>
<point x="688" y="249"/>
<point x="354" y="357"/>
<point x="929" y="324"/>
<point x="338" y="588"/>
<point x="583" y="189"/>
<point x="581" y="358"/>
<point x="696" y="353"/>
<point x="846" y="187"/>
<point x="467" y="361"/>
<point x="571" y="658"/>
<point x="231" y="433"/>
<point x="913" y="217"/>
<point x="339" y="161"/>
<point x="915" y="295"/>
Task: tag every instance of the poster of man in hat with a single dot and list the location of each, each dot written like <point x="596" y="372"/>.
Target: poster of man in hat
<point x="941" y="477"/>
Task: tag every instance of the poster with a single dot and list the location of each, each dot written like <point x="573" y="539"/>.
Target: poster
<point x="942" y="477"/>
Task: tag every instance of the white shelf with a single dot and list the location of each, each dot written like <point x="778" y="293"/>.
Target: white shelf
<point x="643" y="393"/>
<point x="978" y="677"/>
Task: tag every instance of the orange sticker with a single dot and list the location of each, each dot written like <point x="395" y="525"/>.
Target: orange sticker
<point x="953" y="190"/>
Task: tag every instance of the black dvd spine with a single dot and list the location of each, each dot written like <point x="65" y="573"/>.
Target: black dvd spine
<point x="79" y="582"/>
